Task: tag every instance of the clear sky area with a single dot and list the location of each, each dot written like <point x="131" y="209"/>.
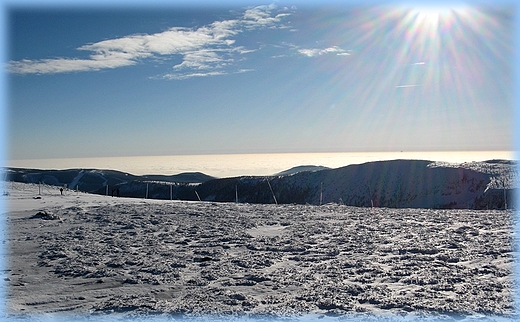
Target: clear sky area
<point x="244" y="77"/>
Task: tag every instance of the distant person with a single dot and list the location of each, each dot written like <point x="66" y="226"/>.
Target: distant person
<point x="61" y="191"/>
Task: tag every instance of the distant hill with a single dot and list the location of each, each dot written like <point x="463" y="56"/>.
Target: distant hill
<point x="95" y="181"/>
<point x="397" y="184"/>
<point x="185" y="177"/>
<point x="302" y="168"/>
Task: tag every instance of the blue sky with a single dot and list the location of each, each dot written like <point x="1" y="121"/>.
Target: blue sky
<point x="243" y="77"/>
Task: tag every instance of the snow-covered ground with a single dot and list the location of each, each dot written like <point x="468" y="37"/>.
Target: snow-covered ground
<point x="82" y="255"/>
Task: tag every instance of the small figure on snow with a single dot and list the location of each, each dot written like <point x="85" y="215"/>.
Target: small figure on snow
<point x="61" y="191"/>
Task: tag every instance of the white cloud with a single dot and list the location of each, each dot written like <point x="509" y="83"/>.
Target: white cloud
<point x="243" y="70"/>
<point x="309" y="52"/>
<point x="202" y="59"/>
<point x="260" y="15"/>
<point x="242" y="50"/>
<point x="181" y="76"/>
<point x="408" y="86"/>
<point x="191" y="75"/>
<point x="313" y="52"/>
<point x="60" y="65"/>
<point x="207" y="47"/>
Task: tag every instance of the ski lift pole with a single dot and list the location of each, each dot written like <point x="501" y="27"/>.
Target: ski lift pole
<point x="370" y="196"/>
<point x="272" y="192"/>
<point x="321" y="194"/>
<point x="505" y="199"/>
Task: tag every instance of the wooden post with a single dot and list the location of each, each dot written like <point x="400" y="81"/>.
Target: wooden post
<point x="146" y="195"/>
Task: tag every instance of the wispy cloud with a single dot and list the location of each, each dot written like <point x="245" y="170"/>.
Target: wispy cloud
<point x="203" y="59"/>
<point x="313" y="52"/>
<point x="63" y="65"/>
<point x="408" y="86"/>
<point x="181" y="76"/>
<point x="205" y="51"/>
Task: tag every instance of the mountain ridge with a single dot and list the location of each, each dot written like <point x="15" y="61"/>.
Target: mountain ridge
<point x="301" y="168"/>
<point x="394" y="183"/>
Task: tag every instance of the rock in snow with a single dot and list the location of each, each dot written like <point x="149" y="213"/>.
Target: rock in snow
<point x="45" y="215"/>
<point x="122" y="257"/>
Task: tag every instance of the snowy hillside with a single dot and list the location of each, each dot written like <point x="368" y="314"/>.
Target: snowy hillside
<point x="79" y="254"/>
<point x="397" y="184"/>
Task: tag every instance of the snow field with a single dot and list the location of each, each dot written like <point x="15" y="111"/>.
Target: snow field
<point x="133" y="257"/>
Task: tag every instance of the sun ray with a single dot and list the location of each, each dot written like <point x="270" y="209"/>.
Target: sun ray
<point x="434" y="63"/>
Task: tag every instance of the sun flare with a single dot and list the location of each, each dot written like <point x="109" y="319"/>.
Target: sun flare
<point x="431" y="14"/>
<point x="434" y="19"/>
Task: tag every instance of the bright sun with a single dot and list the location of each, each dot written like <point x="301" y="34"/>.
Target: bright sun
<point x="433" y="12"/>
<point x="432" y="16"/>
<point x="432" y="19"/>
